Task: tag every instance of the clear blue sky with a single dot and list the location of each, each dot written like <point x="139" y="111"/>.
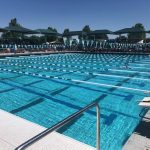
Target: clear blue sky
<point x="74" y="14"/>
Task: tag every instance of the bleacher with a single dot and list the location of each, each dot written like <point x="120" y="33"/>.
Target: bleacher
<point x="73" y="45"/>
<point x="106" y="46"/>
<point x="25" y="46"/>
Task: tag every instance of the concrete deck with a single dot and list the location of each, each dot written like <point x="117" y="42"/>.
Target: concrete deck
<point x="35" y="53"/>
<point x="68" y="51"/>
<point x="15" y="130"/>
<point x="140" y="139"/>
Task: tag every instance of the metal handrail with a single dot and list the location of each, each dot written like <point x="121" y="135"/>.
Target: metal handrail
<point x="64" y="122"/>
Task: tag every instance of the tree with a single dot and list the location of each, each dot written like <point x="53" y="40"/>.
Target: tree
<point x="52" y="29"/>
<point x="34" y="39"/>
<point x="86" y="29"/>
<point x="12" y="35"/>
<point x="121" y="39"/>
<point x="101" y="36"/>
<point x="147" y="40"/>
<point x="136" y="37"/>
<point x="66" y="31"/>
<point x="13" y="22"/>
<point x="50" y="38"/>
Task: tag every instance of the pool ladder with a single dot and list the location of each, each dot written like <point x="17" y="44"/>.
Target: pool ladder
<point x="63" y="123"/>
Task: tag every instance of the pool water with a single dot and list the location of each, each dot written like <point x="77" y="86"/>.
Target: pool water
<point x="46" y="89"/>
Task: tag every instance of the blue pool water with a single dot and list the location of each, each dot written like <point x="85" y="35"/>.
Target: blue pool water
<point x="46" y="89"/>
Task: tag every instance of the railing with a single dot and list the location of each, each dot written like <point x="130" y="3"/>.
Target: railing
<point x="64" y="122"/>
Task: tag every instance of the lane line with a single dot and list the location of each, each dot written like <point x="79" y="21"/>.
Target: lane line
<point x="117" y="76"/>
<point x="75" y="80"/>
<point x="85" y="72"/>
<point x="120" y="70"/>
<point x="109" y="85"/>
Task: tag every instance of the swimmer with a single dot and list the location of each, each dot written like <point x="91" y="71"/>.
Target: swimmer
<point x="126" y="66"/>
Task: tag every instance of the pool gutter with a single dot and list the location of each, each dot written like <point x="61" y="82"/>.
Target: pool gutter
<point x="69" y="51"/>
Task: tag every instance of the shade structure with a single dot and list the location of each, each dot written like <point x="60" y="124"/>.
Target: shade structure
<point x="18" y="29"/>
<point x="96" y="32"/>
<point x="148" y="31"/>
<point x="56" y="42"/>
<point x="74" y="33"/>
<point x="3" y="30"/>
<point x="45" y="31"/>
<point x="129" y="30"/>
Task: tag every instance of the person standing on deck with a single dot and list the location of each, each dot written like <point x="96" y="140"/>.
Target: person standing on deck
<point x="15" y="48"/>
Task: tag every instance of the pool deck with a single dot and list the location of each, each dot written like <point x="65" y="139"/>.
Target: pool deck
<point x="33" y="53"/>
<point x="140" y="139"/>
<point x="67" y="51"/>
<point x="15" y="130"/>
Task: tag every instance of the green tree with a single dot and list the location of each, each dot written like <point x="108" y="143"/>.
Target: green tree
<point x="35" y="39"/>
<point x="12" y="35"/>
<point x="136" y="37"/>
<point x="86" y="29"/>
<point x="121" y="39"/>
<point x="52" y="29"/>
<point x="66" y="31"/>
<point x="147" y="40"/>
<point x="13" y="22"/>
<point x="50" y="38"/>
<point x="101" y="36"/>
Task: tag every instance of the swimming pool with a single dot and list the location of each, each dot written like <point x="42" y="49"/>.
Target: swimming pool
<point x="46" y="89"/>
